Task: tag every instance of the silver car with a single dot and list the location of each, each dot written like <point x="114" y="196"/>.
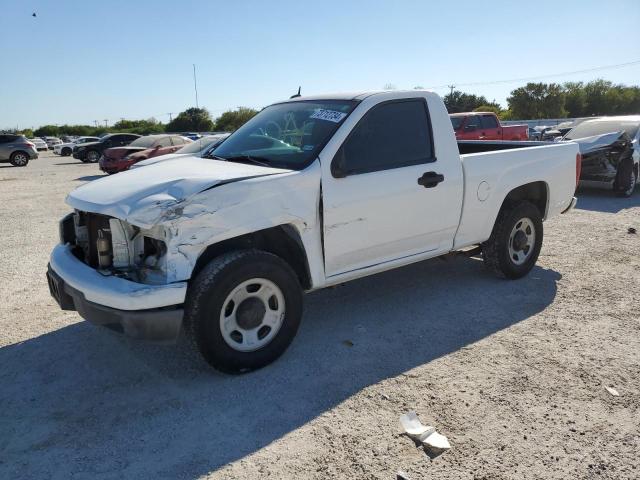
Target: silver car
<point x="16" y="149"/>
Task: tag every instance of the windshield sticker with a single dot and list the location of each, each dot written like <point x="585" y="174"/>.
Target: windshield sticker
<point x="306" y="148"/>
<point x="328" y="115"/>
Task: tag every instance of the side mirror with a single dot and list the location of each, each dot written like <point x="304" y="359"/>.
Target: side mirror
<point x="338" y="168"/>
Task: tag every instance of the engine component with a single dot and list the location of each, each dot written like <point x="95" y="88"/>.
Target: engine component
<point x="104" y="250"/>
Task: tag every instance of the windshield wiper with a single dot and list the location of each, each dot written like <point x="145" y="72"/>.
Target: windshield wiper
<point x="213" y="157"/>
<point x="264" y="162"/>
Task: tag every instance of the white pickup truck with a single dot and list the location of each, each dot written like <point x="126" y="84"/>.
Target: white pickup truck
<point x="311" y="192"/>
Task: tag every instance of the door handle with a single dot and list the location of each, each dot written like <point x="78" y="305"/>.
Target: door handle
<point x="430" y="179"/>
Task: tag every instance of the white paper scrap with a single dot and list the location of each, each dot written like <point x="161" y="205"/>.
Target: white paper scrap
<point x="612" y="391"/>
<point x="425" y="434"/>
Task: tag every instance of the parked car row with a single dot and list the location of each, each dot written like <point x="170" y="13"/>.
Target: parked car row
<point x="66" y="149"/>
<point x="118" y="159"/>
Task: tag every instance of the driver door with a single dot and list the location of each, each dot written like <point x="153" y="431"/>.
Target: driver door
<point x="388" y="196"/>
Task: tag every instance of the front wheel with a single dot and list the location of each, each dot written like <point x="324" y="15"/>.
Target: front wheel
<point x="515" y="242"/>
<point x="243" y="310"/>
<point x="66" y="152"/>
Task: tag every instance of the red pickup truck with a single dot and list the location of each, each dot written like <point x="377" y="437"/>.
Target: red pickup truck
<point x="485" y="126"/>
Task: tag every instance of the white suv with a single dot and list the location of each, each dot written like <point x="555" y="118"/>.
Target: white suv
<point x="65" y="149"/>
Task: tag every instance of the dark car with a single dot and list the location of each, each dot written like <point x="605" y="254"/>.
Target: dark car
<point x="118" y="159"/>
<point x="16" y="149"/>
<point x="551" y="135"/>
<point x="610" y="152"/>
<point x="92" y="151"/>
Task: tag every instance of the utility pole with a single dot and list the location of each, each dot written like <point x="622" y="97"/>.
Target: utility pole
<point x="195" y="84"/>
<point x="96" y="123"/>
<point x="170" y="116"/>
<point x="105" y="123"/>
<point x="451" y="87"/>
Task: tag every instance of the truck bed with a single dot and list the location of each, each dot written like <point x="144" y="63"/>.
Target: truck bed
<point x="491" y="168"/>
<point x="477" y="146"/>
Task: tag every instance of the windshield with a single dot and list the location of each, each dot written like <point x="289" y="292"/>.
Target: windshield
<point x="145" y="142"/>
<point x="591" y="128"/>
<point x="456" y="122"/>
<point x="200" y="144"/>
<point x="287" y="135"/>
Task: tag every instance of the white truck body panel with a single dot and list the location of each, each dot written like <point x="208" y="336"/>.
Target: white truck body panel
<point x="349" y="227"/>
<point x="378" y="217"/>
<point x="492" y="175"/>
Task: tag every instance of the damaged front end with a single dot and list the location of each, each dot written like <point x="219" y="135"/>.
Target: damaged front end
<point x="115" y="247"/>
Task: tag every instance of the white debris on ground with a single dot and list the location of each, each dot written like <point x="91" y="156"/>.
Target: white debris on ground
<point x="424" y="434"/>
<point x="612" y="391"/>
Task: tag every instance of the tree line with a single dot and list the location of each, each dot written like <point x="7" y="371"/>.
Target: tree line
<point x="532" y="101"/>
<point x="191" y="120"/>
<point x="553" y="100"/>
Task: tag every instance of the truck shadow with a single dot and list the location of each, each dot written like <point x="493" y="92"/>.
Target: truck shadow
<point x="81" y="399"/>
<point x="604" y="200"/>
<point x="89" y="178"/>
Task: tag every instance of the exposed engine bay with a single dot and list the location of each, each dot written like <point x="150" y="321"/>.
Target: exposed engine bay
<point x="114" y="247"/>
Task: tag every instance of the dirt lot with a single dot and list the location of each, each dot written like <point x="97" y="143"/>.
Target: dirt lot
<point x="512" y="372"/>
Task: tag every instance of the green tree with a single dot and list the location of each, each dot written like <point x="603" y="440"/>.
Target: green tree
<point x="537" y="100"/>
<point x="27" y="132"/>
<point x="458" y="101"/>
<point x="47" y="131"/>
<point x="596" y="97"/>
<point x="233" y="119"/>
<point x="506" y="115"/>
<point x="192" y="119"/>
<point x="575" y="99"/>
<point x="489" y="108"/>
<point x="141" y="127"/>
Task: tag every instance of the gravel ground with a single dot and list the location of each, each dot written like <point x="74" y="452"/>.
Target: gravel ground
<point x="512" y="372"/>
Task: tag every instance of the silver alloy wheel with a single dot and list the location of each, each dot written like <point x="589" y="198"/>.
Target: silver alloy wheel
<point x="522" y="240"/>
<point x="252" y="314"/>
<point x="20" y="159"/>
<point x="93" y="156"/>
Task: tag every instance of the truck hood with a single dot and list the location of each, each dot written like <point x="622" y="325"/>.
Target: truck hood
<point x="161" y="158"/>
<point x="140" y="196"/>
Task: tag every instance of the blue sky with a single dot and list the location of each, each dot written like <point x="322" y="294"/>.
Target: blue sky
<point x="80" y="61"/>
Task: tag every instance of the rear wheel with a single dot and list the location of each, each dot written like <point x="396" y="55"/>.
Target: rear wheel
<point x="92" y="156"/>
<point x="243" y="310"/>
<point x="66" y="152"/>
<point x="19" y="159"/>
<point x="626" y="179"/>
<point x="515" y="242"/>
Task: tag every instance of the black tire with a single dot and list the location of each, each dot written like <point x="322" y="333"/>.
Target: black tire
<point x="209" y="293"/>
<point x="496" y="250"/>
<point x="19" y="159"/>
<point x="92" y="156"/>
<point x="626" y="179"/>
<point x="66" y="152"/>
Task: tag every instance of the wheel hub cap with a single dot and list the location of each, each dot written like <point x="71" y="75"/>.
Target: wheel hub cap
<point x="521" y="241"/>
<point x="252" y="314"/>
